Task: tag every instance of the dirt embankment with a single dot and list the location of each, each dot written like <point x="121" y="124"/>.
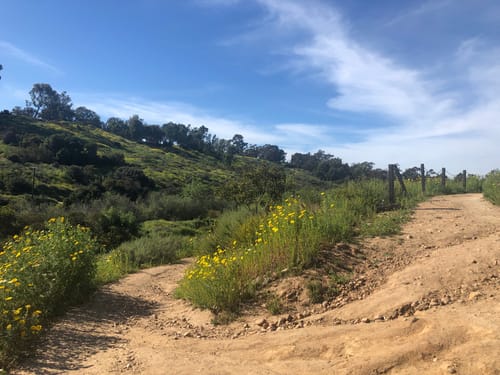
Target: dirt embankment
<point x="423" y="302"/>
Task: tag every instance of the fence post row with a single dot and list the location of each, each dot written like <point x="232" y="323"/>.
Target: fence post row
<point x="394" y="172"/>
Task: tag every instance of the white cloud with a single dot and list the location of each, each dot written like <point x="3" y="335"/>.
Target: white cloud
<point x="18" y="53"/>
<point x="162" y="112"/>
<point x="425" y="119"/>
<point x="421" y="10"/>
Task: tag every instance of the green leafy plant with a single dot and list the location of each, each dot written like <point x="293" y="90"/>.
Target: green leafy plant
<point x="41" y="273"/>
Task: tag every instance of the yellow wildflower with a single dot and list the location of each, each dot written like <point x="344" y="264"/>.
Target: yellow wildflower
<point x="36" y="328"/>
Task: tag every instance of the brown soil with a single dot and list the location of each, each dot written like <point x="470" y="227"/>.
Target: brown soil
<point x="423" y="302"/>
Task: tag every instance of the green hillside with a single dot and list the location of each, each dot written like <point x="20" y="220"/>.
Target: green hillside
<point x="50" y="168"/>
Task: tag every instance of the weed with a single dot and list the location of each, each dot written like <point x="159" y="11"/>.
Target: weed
<point x="274" y="305"/>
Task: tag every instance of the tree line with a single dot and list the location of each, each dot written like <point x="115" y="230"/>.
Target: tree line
<point x="46" y="104"/>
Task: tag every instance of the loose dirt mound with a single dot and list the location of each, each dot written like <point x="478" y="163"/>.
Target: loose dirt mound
<point x="424" y="302"/>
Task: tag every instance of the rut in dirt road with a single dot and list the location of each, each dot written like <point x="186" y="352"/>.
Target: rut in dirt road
<point x="423" y="302"/>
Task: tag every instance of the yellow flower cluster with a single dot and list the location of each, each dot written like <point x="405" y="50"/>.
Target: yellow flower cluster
<point x="31" y="264"/>
<point x="280" y="222"/>
<point x="206" y="267"/>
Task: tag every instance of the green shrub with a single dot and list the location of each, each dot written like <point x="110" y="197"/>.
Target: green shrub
<point x="315" y="291"/>
<point x="153" y="249"/>
<point x="491" y="187"/>
<point x="288" y="237"/>
<point x="175" y="207"/>
<point x="41" y="273"/>
<point x="112" y="266"/>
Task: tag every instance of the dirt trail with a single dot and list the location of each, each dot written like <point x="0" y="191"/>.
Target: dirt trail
<point x="423" y="302"/>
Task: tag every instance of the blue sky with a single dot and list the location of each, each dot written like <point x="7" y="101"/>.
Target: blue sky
<point x="387" y="81"/>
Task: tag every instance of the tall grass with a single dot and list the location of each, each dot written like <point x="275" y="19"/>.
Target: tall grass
<point x="284" y="239"/>
<point x="491" y="187"/>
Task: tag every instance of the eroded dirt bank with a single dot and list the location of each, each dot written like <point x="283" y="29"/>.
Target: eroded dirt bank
<point x="423" y="302"/>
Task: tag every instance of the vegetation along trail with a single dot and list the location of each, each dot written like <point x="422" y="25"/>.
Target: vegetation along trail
<point x="422" y="302"/>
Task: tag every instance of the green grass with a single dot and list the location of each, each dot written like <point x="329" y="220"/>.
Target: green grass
<point x="285" y="239"/>
<point x="491" y="187"/>
<point x="384" y="223"/>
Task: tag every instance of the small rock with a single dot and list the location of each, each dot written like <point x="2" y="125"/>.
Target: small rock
<point x="474" y="261"/>
<point x="365" y="320"/>
<point x="452" y="370"/>
<point x="434" y="302"/>
<point x="261" y="322"/>
<point x="282" y="321"/>
<point x="474" y="295"/>
<point x="246" y="326"/>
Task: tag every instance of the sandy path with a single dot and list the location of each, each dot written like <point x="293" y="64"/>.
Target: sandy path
<point x="427" y="303"/>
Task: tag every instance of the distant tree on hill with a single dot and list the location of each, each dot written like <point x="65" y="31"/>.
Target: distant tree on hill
<point x="116" y="126"/>
<point x="238" y="145"/>
<point x="86" y="116"/>
<point x="48" y="104"/>
<point x="267" y="152"/>
<point x="135" y="129"/>
<point x="411" y="173"/>
<point x="322" y="165"/>
<point x="1" y="68"/>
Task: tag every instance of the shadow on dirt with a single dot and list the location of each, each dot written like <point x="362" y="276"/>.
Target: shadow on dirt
<point x="341" y="257"/>
<point x="437" y="209"/>
<point x="70" y="346"/>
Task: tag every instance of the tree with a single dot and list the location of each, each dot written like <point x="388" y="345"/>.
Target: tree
<point x="117" y="126"/>
<point x="1" y="68"/>
<point x="135" y="127"/>
<point x="267" y="152"/>
<point x="48" y="104"/>
<point x="238" y="145"/>
<point x="153" y="135"/>
<point x="86" y="116"/>
<point x="412" y="173"/>
<point x="26" y="111"/>
<point x="176" y="134"/>
<point x="264" y="183"/>
<point x="362" y="170"/>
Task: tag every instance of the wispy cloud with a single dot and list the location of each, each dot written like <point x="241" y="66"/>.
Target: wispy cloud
<point x="154" y="112"/>
<point x="420" y="10"/>
<point x="20" y="54"/>
<point x="425" y="116"/>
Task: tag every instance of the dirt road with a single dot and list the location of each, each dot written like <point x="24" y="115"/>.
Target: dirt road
<point x="423" y="302"/>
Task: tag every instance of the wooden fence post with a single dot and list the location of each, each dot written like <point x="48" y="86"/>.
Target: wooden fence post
<point x="422" y="176"/>
<point x="400" y="179"/>
<point x="443" y="179"/>
<point x="390" y="178"/>
<point x="464" y="173"/>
